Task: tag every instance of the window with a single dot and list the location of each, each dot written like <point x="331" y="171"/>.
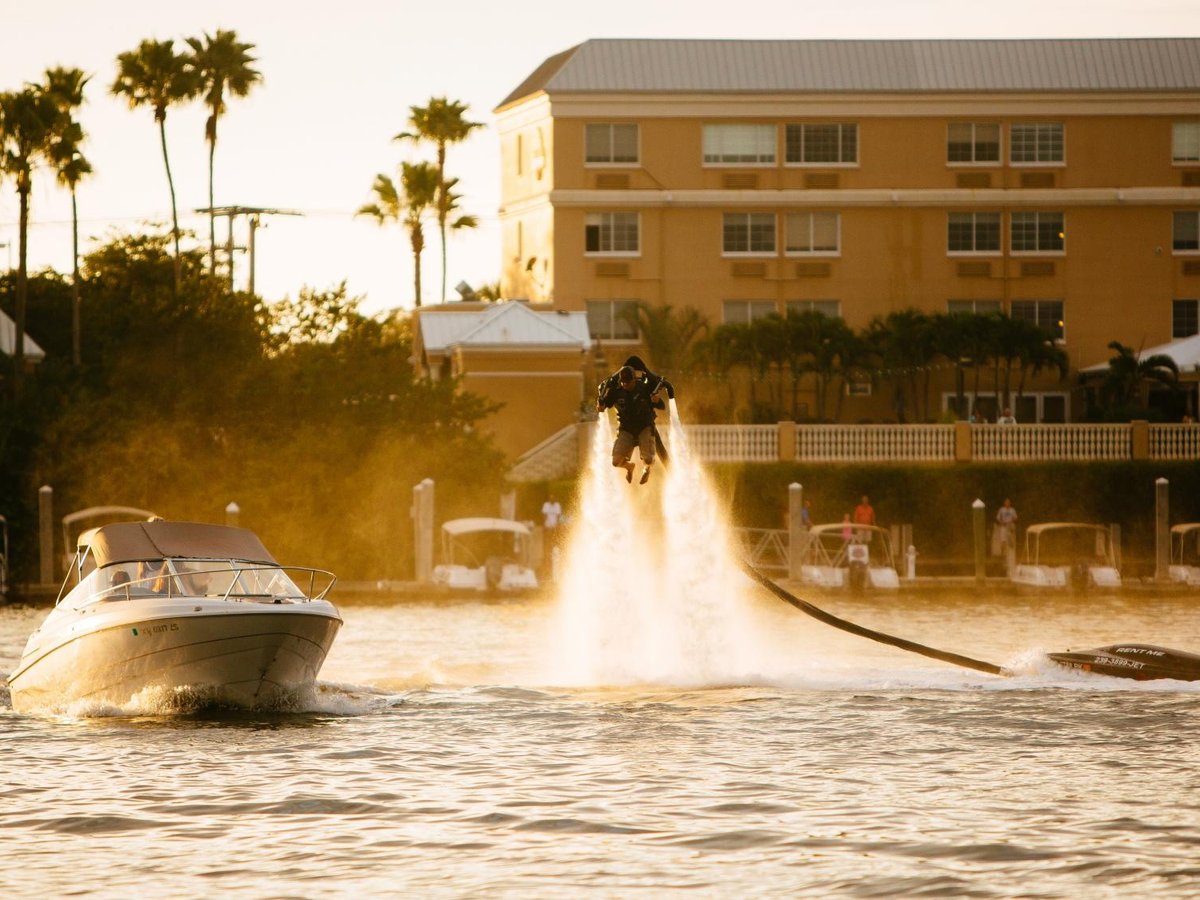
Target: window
<point x="1186" y="233"/>
<point x="742" y="312"/>
<point x="726" y="144"/>
<point x="1046" y="313"/>
<point x="811" y="232"/>
<point x="613" y="232"/>
<point x="972" y="307"/>
<point x="1185" y="318"/>
<point x="815" y="145"/>
<point x="973" y="232"/>
<point x="1036" y="142"/>
<point x="1185" y="142"/>
<point x="830" y="308"/>
<point x="1037" y="232"/>
<point x="973" y="142"/>
<point x="748" y="233"/>
<point x="612" y="320"/>
<point x="611" y="143"/>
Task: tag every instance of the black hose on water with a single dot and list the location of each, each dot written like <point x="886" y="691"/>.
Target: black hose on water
<point x="821" y="616"/>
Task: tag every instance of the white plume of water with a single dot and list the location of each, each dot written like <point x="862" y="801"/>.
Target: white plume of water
<point x="651" y="592"/>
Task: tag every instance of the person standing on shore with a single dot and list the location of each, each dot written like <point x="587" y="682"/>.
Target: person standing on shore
<point x="1004" y="535"/>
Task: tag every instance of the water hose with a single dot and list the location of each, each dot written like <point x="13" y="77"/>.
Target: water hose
<point x="820" y="615"/>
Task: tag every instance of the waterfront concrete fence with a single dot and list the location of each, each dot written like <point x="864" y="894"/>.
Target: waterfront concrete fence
<point x="562" y="454"/>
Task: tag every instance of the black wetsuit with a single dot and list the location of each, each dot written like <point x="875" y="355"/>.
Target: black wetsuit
<point x="635" y="408"/>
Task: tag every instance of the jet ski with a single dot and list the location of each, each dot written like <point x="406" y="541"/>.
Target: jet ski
<point x="1141" y="662"/>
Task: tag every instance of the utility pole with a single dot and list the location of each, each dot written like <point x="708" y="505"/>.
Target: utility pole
<point x="252" y="214"/>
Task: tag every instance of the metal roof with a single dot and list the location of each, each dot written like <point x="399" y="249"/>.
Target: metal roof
<point x="503" y="324"/>
<point x="706" y="66"/>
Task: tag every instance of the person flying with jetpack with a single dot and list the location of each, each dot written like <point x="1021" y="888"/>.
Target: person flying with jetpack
<point x="636" y="393"/>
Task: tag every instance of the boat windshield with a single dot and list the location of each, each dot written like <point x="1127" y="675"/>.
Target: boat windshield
<point x="195" y="578"/>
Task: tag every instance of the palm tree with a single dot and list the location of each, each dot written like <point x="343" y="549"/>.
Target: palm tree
<point x="406" y="205"/>
<point x="65" y="87"/>
<point x="155" y="75"/>
<point x="668" y="334"/>
<point x="27" y="119"/>
<point x="221" y="64"/>
<point x="442" y="122"/>
<point x="1129" y="371"/>
<point x="904" y="344"/>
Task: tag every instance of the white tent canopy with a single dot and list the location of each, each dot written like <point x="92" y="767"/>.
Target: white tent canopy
<point x="8" y="341"/>
<point x="1185" y="352"/>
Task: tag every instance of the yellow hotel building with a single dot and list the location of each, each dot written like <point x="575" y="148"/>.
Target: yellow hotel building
<point x="1057" y="180"/>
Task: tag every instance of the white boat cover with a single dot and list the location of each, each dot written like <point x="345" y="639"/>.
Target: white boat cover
<point x="468" y="526"/>
<point x="133" y="541"/>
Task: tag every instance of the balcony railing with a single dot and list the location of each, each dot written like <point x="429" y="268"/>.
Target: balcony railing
<point x="1027" y="443"/>
<point x="558" y="456"/>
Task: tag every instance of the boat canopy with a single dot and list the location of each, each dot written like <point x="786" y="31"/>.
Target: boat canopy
<point x="836" y="528"/>
<point x="469" y="526"/>
<point x="1185" y="528"/>
<point x="1059" y="526"/>
<point x="134" y="541"/>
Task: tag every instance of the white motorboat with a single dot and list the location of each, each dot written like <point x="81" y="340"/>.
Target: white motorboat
<point x="199" y="612"/>
<point x="840" y="555"/>
<point x="1062" y="554"/>
<point x="481" y="554"/>
<point x="1185" y="554"/>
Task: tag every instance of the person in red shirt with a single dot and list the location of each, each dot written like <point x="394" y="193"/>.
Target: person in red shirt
<point x="864" y="514"/>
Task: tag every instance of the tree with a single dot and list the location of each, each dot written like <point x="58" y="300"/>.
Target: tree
<point x="826" y="348"/>
<point x="669" y="334"/>
<point x="905" y="344"/>
<point x="220" y="65"/>
<point x="406" y="205"/>
<point x="27" y="119"/>
<point x="65" y="87"/>
<point x="1129" y="374"/>
<point x="442" y="122"/>
<point x="155" y="75"/>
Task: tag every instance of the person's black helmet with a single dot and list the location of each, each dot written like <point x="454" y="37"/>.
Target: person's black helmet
<point x="626" y="375"/>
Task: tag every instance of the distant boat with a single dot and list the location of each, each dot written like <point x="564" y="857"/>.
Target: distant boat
<point x="202" y="611"/>
<point x="1185" y="563"/>
<point x="832" y="560"/>
<point x="1064" y="554"/>
<point x="482" y="554"/>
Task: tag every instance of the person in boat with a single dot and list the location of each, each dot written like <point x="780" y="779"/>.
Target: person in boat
<point x="864" y="514"/>
<point x="635" y="401"/>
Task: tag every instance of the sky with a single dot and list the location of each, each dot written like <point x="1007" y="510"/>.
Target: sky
<point x="339" y="79"/>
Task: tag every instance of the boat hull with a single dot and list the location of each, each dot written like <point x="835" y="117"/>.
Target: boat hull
<point x="1142" y="662"/>
<point x="248" y="659"/>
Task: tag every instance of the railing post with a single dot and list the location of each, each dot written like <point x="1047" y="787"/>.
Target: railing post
<point x="232" y="511"/>
<point x="1162" y="530"/>
<point x="977" y="509"/>
<point x="1139" y="439"/>
<point x="962" y="441"/>
<point x="422" y="516"/>
<point x="797" y="534"/>
<point x="787" y="441"/>
<point x="46" y="534"/>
